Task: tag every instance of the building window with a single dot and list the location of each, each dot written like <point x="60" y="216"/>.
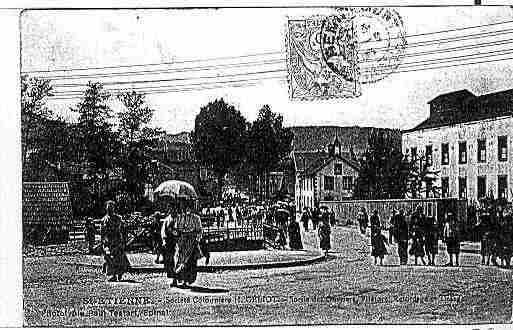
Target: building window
<point x="329" y="182"/>
<point x="445" y="187"/>
<point x="347" y="182"/>
<point x="481" y="187"/>
<point x="429" y="189"/>
<point x="338" y="169"/>
<point x="445" y="153"/>
<point x="429" y="155"/>
<point x="502" y="184"/>
<point x="462" y="152"/>
<point x="481" y="151"/>
<point x="502" y="148"/>
<point x="462" y="186"/>
<point x="413" y="153"/>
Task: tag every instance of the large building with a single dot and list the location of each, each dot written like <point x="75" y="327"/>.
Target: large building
<point x="467" y="142"/>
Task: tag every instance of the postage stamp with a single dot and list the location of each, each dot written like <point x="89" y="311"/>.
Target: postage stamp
<point x="330" y="56"/>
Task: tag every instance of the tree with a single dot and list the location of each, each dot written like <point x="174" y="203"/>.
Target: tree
<point x="421" y="179"/>
<point x="136" y="138"/>
<point x="268" y="143"/>
<point x="34" y="114"/>
<point x="96" y="141"/>
<point x="384" y="170"/>
<point x="97" y="138"/>
<point x="219" y="138"/>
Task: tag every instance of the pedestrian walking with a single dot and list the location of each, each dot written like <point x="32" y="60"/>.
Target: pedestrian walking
<point x="379" y="249"/>
<point x="378" y="240"/>
<point x="155" y="233"/>
<point x="113" y="243"/>
<point x="431" y="240"/>
<point x="417" y="224"/>
<point x="486" y="233"/>
<point x="375" y="223"/>
<point x="498" y="245"/>
<point x="238" y="215"/>
<point x="189" y="233"/>
<point x="331" y="216"/>
<point x="169" y="236"/>
<point x="230" y="215"/>
<point x="324" y="233"/>
<point x="316" y="217"/>
<point x="90" y="234"/>
<point x="305" y="218"/>
<point x="363" y="220"/>
<point x="452" y="239"/>
<point x="222" y="216"/>
<point x="507" y="238"/>
<point x="400" y="234"/>
<point x="295" y="242"/>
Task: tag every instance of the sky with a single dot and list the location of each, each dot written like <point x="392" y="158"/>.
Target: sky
<point x="95" y="38"/>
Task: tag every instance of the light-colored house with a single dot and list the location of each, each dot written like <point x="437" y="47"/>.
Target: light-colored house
<point x="467" y="140"/>
<point x="323" y="176"/>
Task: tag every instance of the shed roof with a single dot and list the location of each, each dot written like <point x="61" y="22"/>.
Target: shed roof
<point x="46" y="202"/>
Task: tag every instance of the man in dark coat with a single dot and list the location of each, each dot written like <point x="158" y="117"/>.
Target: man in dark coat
<point x="399" y="231"/>
<point x="417" y="225"/>
<point x="305" y="218"/>
<point x="431" y="239"/>
<point x="169" y="235"/>
<point x="90" y="232"/>
<point x="485" y="231"/>
<point x="363" y="220"/>
<point x="316" y="217"/>
<point x="295" y="242"/>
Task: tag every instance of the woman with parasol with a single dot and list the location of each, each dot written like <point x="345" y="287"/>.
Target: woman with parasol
<point x="187" y="228"/>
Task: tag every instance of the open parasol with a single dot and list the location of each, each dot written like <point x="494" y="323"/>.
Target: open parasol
<point x="176" y="189"/>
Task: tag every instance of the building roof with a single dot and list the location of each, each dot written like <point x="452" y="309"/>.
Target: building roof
<point x="471" y="108"/>
<point x="180" y="138"/>
<point x="451" y="97"/>
<point x="308" y="162"/>
<point x="46" y="203"/>
<point x="314" y="138"/>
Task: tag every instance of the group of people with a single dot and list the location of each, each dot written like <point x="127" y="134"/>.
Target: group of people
<point x="317" y="215"/>
<point x="322" y="220"/>
<point x="181" y="245"/>
<point x="495" y="226"/>
<point x="235" y="213"/>
<point x="422" y="230"/>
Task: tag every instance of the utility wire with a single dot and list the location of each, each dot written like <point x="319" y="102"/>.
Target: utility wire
<point x="175" y="79"/>
<point x="257" y="54"/>
<point x="222" y="84"/>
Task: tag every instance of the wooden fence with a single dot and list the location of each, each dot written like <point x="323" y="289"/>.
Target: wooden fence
<point x="248" y="236"/>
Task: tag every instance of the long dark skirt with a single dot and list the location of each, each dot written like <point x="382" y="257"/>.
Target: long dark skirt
<point x="453" y="245"/>
<point x="486" y="244"/>
<point x="402" y="250"/>
<point x="295" y="237"/>
<point x="325" y="242"/>
<point x="168" y="252"/>
<point x="378" y="246"/>
<point x="417" y="247"/>
<point x="116" y="261"/>
<point x="431" y="243"/>
<point x="189" y="272"/>
<point x="188" y="253"/>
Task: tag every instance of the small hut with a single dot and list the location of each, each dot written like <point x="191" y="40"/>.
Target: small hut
<point x="46" y="212"/>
